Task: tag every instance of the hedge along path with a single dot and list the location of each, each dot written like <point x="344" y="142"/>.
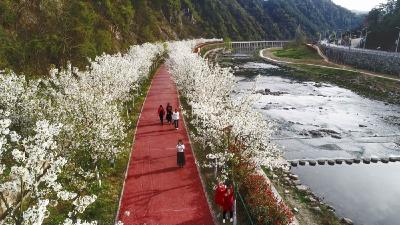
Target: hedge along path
<point x="156" y="190"/>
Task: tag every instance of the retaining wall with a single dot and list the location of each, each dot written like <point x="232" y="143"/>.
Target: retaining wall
<point x="377" y="61"/>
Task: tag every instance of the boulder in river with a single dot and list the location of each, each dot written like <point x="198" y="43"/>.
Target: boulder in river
<point x="302" y="188"/>
<point x="346" y="221"/>
<point x="316" y="209"/>
<point x="267" y="91"/>
<point x="324" y="132"/>
<point x="294" y="177"/>
<point x="332" y="147"/>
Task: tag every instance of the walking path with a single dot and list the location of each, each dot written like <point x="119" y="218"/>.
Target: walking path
<point x="264" y="54"/>
<point x="156" y="190"/>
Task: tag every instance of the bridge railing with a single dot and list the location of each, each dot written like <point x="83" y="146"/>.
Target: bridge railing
<point x="254" y="45"/>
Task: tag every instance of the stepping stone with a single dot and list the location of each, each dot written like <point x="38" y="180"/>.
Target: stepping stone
<point x="302" y="163"/>
<point x="349" y="161"/>
<point x="321" y="162"/>
<point x="293" y="163"/>
<point x="394" y="159"/>
<point x="331" y="162"/>
<point x="339" y="161"/>
<point x="366" y="161"/>
<point x="357" y="161"/>
<point x="385" y="160"/>
<point x="374" y="160"/>
<point x="312" y="163"/>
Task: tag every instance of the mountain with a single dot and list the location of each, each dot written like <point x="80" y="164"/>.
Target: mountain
<point x="36" y="34"/>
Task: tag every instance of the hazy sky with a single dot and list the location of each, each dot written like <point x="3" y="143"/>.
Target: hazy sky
<point x="360" y="5"/>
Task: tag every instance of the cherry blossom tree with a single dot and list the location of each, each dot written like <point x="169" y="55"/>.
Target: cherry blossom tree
<point x="57" y="133"/>
<point x="220" y="119"/>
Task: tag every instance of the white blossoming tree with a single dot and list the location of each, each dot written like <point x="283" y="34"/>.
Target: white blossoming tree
<point x="56" y="134"/>
<point x="222" y="122"/>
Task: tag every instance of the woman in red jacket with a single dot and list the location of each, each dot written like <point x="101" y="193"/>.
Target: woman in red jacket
<point x="219" y="194"/>
<point x="161" y="113"/>
<point x="229" y="201"/>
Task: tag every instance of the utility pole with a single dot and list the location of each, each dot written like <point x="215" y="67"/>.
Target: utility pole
<point x="398" y="40"/>
<point x="366" y="37"/>
<point x="340" y="37"/>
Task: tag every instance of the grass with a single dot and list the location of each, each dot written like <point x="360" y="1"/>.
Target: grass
<point x="368" y="86"/>
<point x="372" y="87"/>
<point x="297" y="52"/>
<point x="209" y="47"/>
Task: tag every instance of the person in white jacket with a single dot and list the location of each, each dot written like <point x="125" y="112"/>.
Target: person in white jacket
<point x="180" y="150"/>
<point x="175" y="118"/>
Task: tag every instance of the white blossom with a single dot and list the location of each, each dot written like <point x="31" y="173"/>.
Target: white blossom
<point x="46" y="125"/>
<point x="217" y="115"/>
<point x="82" y="202"/>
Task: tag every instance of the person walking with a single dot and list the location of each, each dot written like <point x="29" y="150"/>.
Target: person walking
<point x="169" y="113"/>
<point x="175" y="118"/>
<point x="161" y="113"/>
<point x="229" y="201"/>
<point x="219" y="194"/>
<point x="180" y="149"/>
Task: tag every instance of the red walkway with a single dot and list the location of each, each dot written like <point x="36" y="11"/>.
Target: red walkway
<point x="157" y="191"/>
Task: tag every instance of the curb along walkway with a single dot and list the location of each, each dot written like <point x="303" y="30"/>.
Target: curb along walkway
<point x="156" y="190"/>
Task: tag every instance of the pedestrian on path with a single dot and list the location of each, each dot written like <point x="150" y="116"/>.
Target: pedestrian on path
<point x="169" y="113"/>
<point x="229" y="201"/>
<point x="161" y="113"/>
<point x="175" y="118"/>
<point x="180" y="149"/>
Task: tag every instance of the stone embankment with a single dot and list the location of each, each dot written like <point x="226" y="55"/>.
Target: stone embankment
<point x="377" y="61"/>
<point x="315" y="203"/>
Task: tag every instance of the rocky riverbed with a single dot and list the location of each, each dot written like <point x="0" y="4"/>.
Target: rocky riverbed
<point x="320" y="120"/>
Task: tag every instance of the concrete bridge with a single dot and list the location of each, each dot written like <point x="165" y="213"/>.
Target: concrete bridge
<point x="340" y="161"/>
<point x="255" y="45"/>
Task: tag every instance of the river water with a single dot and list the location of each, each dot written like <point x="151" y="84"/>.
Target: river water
<point x="318" y="120"/>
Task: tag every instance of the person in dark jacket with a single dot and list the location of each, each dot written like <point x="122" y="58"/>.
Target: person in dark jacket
<point x="169" y="113"/>
<point x="161" y="113"/>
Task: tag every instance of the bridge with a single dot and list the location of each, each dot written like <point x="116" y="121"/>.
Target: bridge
<point x="256" y="45"/>
<point x="340" y="161"/>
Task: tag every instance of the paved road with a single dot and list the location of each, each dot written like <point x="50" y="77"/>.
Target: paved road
<point x="156" y="191"/>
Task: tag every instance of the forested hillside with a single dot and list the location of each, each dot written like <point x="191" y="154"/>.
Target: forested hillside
<point x="39" y="33"/>
<point x="382" y="22"/>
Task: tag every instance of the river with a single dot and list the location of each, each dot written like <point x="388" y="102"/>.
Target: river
<point x="319" y="120"/>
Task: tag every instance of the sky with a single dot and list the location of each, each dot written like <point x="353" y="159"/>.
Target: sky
<point x="359" y="5"/>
